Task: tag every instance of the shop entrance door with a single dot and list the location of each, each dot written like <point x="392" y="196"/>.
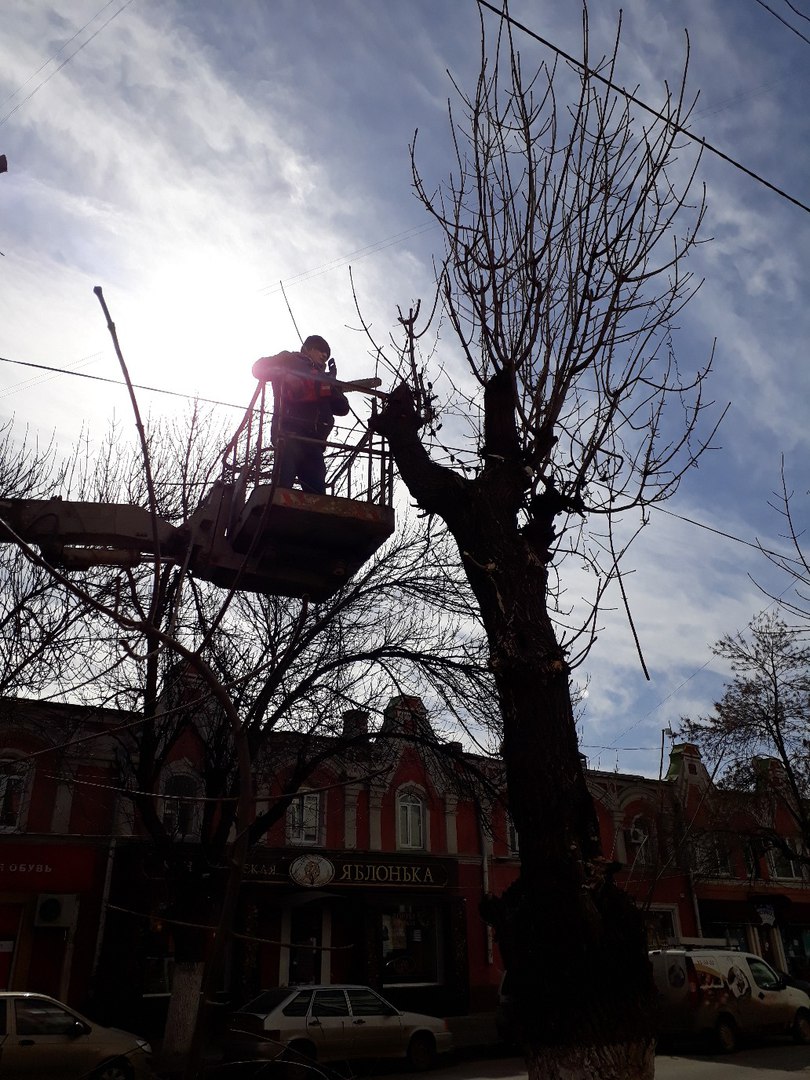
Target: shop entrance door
<point x="305" y="944"/>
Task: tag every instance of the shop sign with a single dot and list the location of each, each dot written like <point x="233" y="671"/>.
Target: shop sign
<point x="357" y="873"/>
<point x="46" y="867"/>
<point x="767" y="916"/>
<point x="313" y="871"/>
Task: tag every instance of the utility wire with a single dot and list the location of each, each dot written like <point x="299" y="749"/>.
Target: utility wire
<point x="67" y="60"/>
<point x="450" y="450"/>
<point x="45" y="63"/>
<point x="343" y="260"/>
<point x="784" y="22"/>
<point x="120" y="382"/>
<point x="642" y="104"/>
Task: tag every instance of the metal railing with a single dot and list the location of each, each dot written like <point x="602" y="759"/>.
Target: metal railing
<point x="358" y="463"/>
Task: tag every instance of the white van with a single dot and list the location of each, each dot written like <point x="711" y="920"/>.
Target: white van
<point x="725" y="994"/>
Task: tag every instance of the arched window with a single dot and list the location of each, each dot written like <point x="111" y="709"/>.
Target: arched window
<point x="639" y="843"/>
<point x="411" y="814"/>
<point x="13" y="776"/>
<point x="180" y="807"/>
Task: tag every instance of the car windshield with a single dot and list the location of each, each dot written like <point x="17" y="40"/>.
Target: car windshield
<point x="266" y="1001"/>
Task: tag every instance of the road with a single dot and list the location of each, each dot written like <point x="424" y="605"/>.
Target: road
<point x="777" y="1061"/>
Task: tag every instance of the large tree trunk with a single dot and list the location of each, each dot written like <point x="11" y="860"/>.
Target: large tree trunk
<point x="572" y="940"/>
<point x="186" y="986"/>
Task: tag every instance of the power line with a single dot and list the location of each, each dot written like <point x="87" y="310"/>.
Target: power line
<point x="343" y="260"/>
<point x="120" y="382"/>
<point x="726" y="535"/>
<point x="450" y="450"/>
<point x="67" y="59"/>
<point x="45" y="63"/>
<point x="643" y="105"/>
<point x="784" y="22"/>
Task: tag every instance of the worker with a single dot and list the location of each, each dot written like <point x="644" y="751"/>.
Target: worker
<point x="306" y="404"/>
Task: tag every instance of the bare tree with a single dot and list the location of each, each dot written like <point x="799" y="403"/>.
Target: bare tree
<point x="227" y="675"/>
<point x="758" y="735"/>
<point x="562" y="275"/>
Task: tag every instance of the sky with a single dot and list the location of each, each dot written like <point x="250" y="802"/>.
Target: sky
<point x="190" y="155"/>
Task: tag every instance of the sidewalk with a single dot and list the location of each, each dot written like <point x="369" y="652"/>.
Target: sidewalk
<point x="473" y="1031"/>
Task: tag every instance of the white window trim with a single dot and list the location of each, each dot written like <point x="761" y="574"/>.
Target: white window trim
<point x="295" y="834"/>
<point x="182" y="769"/>
<point x="26" y="784"/>
<point x="774" y="853"/>
<point x="411" y="792"/>
<point x="512" y="837"/>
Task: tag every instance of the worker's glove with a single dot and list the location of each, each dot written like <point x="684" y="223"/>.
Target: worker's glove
<point x="332" y="367"/>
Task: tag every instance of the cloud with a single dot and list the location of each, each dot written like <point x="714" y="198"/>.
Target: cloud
<point x="192" y="155"/>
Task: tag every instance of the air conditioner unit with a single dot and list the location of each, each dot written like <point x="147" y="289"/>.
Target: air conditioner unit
<point x="56" y="909"/>
<point x="637" y="836"/>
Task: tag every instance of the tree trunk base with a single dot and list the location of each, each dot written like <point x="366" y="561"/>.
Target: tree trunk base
<point x="623" y="1061"/>
<point x="186" y="985"/>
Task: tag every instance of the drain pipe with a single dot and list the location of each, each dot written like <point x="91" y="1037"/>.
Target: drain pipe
<point x="485" y="886"/>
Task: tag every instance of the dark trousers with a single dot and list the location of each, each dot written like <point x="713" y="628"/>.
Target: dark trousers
<point x="303" y="460"/>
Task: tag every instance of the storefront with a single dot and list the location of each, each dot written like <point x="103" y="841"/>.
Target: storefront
<point x="48" y="932"/>
<point x="769" y="924"/>
<point x="392" y="922"/>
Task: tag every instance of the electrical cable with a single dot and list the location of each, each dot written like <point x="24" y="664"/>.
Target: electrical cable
<point x="642" y="105"/>
<point x="67" y="60"/>
<point x="343" y="260"/>
<point x="450" y="450"/>
<point x="784" y="22"/>
<point x="45" y="63"/>
<point x="120" y="382"/>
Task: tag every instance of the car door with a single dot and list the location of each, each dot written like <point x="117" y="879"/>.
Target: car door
<point x="328" y="1025"/>
<point x="769" y="1008"/>
<point x="42" y="1041"/>
<point x="376" y="1025"/>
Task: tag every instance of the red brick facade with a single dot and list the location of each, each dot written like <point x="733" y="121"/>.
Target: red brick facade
<point x="375" y="875"/>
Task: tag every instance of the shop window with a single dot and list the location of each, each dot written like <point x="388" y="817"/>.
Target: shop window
<point x="797" y="950"/>
<point x="733" y="933"/>
<point x="181" y="815"/>
<point x="13" y="776"/>
<point x="304" y="819"/>
<point x="157" y="976"/>
<point x="411" y="810"/>
<point x="659" y="926"/>
<point x="411" y="945"/>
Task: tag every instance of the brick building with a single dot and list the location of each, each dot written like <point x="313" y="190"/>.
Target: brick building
<point x="374" y="874"/>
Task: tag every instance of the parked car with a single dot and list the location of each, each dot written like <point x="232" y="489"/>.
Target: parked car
<point x="40" y="1037"/>
<point x="334" y="1023"/>
<point x="725" y="994"/>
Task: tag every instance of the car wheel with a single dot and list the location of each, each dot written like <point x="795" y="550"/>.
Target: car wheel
<point x="801" y="1027"/>
<point x="422" y="1052"/>
<point x="114" y="1070"/>
<point x="726" y="1038"/>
